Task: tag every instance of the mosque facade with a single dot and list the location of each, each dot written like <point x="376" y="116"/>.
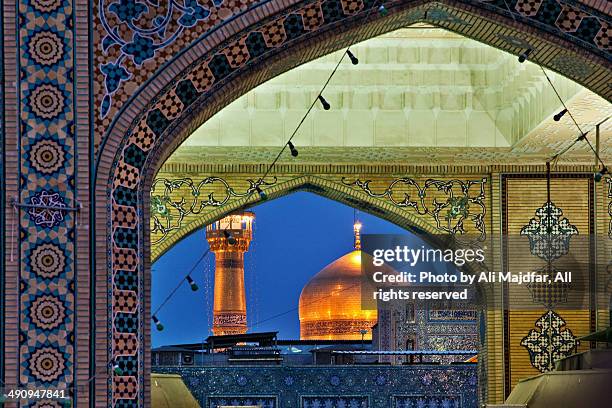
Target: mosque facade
<point x="95" y="96"/>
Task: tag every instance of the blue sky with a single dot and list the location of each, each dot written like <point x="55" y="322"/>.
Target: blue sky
<point x="295" y="236"/>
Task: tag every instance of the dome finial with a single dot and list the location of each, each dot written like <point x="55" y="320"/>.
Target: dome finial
<point x="356" y="230"/>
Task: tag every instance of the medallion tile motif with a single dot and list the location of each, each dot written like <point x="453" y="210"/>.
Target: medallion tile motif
<point x="550" y="342"/>
<point x="549" y="234"/>
<point x="46" y="341"/>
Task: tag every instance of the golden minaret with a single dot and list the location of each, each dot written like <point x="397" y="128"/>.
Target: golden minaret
<point x="229" y="239"/>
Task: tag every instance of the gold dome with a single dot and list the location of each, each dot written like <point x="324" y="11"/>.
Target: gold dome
<point x="330" y="303"/>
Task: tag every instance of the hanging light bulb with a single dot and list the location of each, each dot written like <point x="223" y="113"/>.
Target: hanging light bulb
<point x="559" y="115"/>
<point x="158" y="325"/>
<point x="192" y="283"/>
<point x="599" y="175"/>
<point x="325" y="104"/>
<point x="261" y="193"/>
<point x="524" y="55"/>
<point x="352" y="56"/>
<point x="294" y="151"/>
<point x="230" y="238"/>
<point x="383" y="10"/>
<point x="117" y="370"/>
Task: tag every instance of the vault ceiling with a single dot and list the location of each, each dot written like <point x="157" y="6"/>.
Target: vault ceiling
<point x="417" y="93"/>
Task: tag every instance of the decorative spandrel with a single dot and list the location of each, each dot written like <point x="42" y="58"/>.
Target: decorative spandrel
<point x="137" y="30"/>
<point x="550" y="342"/>
<point x="549" y="234"/>
<point x="450" y="203"/>
<point x="169" y="207"/>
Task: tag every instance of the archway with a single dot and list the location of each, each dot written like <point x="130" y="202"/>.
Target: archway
<point x="146" y="132"/>
<point x="293" y="228"/>
<point x="293" y="237"/>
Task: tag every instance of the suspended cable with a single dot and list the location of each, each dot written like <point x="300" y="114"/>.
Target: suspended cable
<point x="382" y="10"/>
<point x="187" y="277"/>
<point x="583" y="135"/>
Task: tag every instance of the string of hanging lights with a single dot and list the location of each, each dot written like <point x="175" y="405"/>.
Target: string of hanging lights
<point x="382" y="10"/>
<point x="194" y="287"/>
<point x="583" y="135"/>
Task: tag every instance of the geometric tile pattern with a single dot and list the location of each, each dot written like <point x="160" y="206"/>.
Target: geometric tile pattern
<point x="335" y="402"/>
<point x="549" y="235"/>
<point x="47" y="172"/>
<point x="135" y="37"/>
<point x="438" y="386"/>
<point x="264" y="402"/>
<point x="416" y="401"/>
<point x="550" y="343"/>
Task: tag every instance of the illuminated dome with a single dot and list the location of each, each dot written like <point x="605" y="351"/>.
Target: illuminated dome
<point x="330" y="303"/>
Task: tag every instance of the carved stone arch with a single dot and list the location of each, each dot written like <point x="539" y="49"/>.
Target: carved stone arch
<point x="317" y="185"/>
<point x="144" y="133"/>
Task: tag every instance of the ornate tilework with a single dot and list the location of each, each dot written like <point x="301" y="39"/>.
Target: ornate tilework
<point x="439" y="386"/>
<point x="334" y="401"/>
<point x="168" y="213"/>
<point x="550" y="294"/>
<point x="417" y="401"/>
<point x="571" y="66"/>
<point x="263" y="402"/>
<point x="550" y="343"/>
<point x="460" y="203"/>
<point x="430" y="330"/>
<point x="47" y="141"/>
<point x="47" y="217"/>
<point x="46" y="131"/>
<point x="137" y="30"/>
<point x="549" y="234"/>
<point x="135" y="37"/>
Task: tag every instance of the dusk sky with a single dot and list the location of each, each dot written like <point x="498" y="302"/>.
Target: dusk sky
<point x="295" y="236"/>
